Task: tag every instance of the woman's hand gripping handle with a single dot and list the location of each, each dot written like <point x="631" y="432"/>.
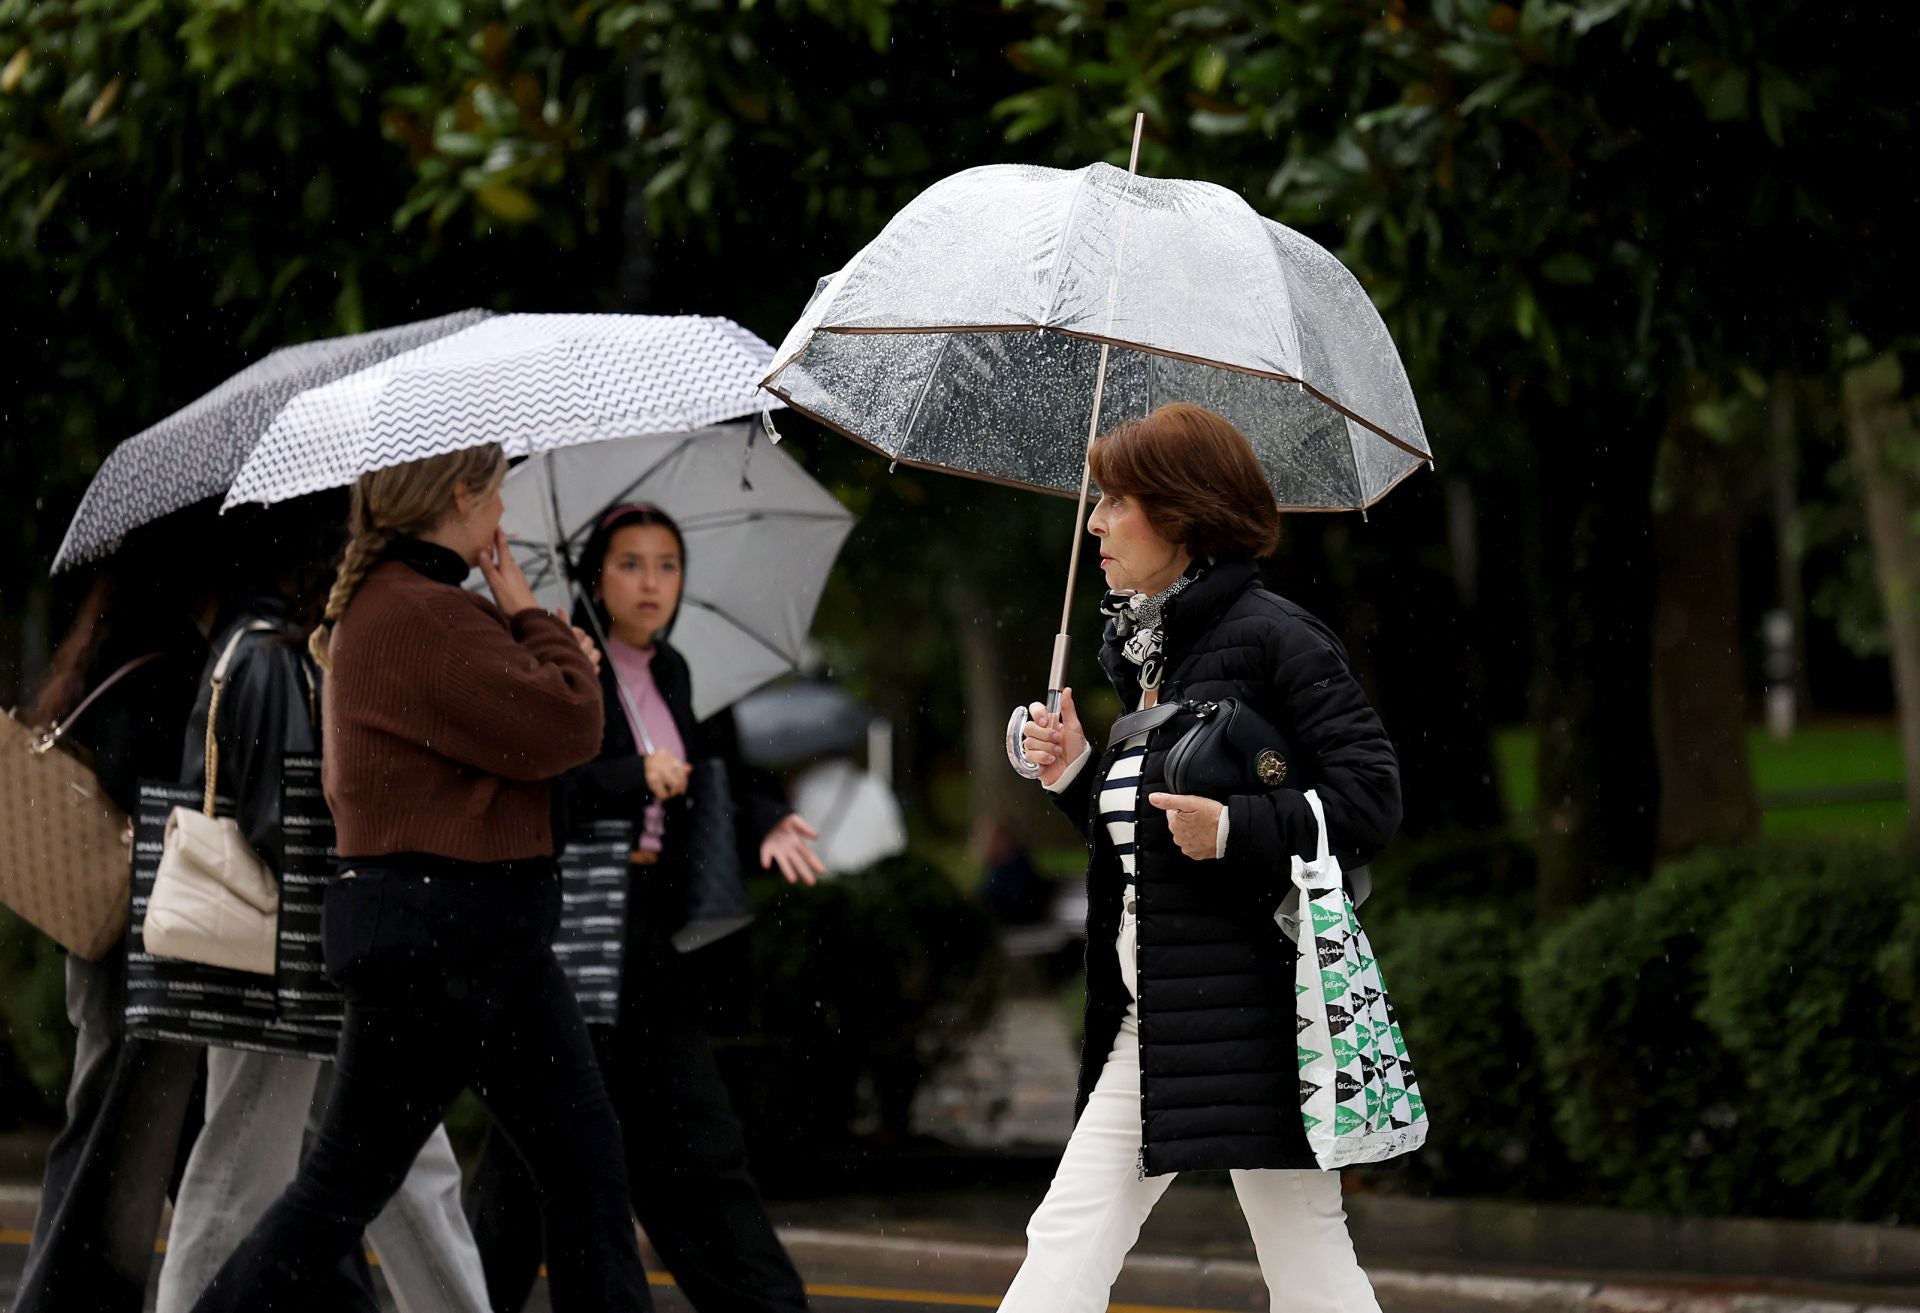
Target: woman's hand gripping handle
<point x="1050" y="738"/>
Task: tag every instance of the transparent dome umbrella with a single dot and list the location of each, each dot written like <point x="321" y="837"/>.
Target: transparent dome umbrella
<point x="194" y="453"/>
<point x="761" y="537"/>
<point x="1010" y="313"/>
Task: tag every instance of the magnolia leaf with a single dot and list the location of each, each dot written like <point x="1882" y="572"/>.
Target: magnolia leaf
<point x="506" y="201"/>
<point x="15" y="70"/>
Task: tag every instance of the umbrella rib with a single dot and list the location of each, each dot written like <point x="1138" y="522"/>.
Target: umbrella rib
<point x="1060" y="254"/>
<point x="913" y="420"/>
<point x="651" y="470"/>
<point x="744" y="628"/>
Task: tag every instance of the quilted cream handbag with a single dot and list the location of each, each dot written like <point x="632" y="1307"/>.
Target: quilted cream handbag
<point x="214" y="901"/>
<point x="65" y="848"/>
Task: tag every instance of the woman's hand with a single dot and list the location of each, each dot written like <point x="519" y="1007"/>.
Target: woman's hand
<point x="666" y="774"/>
<point x="1054" y="742"/>
<point x="590" y="648"/>
<point x="789" y="845"/>
<point x="505" y="577"/>
<point x="1195" y="823"/>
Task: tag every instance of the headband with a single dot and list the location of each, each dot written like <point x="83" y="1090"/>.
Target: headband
<point x="626" y="508"/>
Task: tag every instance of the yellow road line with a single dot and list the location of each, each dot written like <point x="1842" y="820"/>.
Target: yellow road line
<point x="887" y="1295"/>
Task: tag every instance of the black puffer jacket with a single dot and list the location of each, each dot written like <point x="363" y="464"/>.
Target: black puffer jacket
<point x="1219" y="1075"/>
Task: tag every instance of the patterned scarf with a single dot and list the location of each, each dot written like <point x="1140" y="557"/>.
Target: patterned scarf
<point x="1137" y="618"/>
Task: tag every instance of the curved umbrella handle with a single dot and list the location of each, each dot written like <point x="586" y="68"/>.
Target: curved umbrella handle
<point x="1016" y="738"/>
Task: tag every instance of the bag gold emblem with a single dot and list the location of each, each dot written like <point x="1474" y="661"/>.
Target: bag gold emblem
<point x="1271" y="768"/>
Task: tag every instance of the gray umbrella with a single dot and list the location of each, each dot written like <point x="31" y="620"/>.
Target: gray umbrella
<point x="194" y="453"/>
<point x="761" y="540"/>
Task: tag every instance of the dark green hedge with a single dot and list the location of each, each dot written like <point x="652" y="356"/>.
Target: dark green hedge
<point x="1450" y="971"/>
<point x="1808" y="988"/>
<point x="1740" y="1035"/>
<point x="1645" y="1097"/>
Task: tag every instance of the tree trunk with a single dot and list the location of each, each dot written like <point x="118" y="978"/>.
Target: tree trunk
<point x="1699" y="681"/>
<point x="1783" y="454"/>
<point x="1591" y="564"/>
<point x="1883" y="432"/>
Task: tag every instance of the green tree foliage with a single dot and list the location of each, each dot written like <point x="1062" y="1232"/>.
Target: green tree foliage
<point x="186" y="183"/>
<point x="1560" y="207"/>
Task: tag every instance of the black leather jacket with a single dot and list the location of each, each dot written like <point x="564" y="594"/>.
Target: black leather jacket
<point x="269" y="711"/>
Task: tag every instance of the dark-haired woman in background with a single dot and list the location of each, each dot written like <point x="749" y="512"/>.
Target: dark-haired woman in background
<point x="107" y="1172"/>
<point x="686" y="1151"/>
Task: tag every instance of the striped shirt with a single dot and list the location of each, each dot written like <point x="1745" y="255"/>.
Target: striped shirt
<point x="1120" y="801"/>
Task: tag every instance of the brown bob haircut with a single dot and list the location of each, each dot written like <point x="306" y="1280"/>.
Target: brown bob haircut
<point x="1196" y="478"/>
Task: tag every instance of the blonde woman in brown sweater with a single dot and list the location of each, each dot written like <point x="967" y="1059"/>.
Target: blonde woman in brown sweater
<point x="446" y="718"/>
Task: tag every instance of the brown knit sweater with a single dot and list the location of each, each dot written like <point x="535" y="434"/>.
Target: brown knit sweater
<point x="445" y="720"/>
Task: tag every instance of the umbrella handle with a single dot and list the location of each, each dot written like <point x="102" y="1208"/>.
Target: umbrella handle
<point x="1016" y="737"/>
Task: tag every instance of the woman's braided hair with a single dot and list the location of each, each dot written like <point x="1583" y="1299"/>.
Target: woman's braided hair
<point x="401" y="501"/>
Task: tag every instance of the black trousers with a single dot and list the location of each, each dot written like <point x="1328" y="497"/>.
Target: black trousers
<point x="108" y="1172"/>
<point x="686" y="1159"/>
<point x="451" y="982"/>
<point x="133" y="1110"/>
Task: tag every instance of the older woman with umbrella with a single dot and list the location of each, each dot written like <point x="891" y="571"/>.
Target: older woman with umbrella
<point x="998" y="324"/>
<point x="1189" y="1058"/>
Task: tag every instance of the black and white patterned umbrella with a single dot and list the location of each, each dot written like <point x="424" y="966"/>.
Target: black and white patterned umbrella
<point x="531" y="383"/>
<point x="194" y="453"/>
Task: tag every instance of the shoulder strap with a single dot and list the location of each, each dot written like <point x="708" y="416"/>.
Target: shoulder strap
<point x="213" y="706"/>
<point x="58" y="730"/>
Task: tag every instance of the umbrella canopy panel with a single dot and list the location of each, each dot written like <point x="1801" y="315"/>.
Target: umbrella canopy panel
<point x="761" y="536"/>
<point x="960" y="337"/>
<point x="977" y="403"/>
<point x="528" y="382"/>
<point x="194" y="453"/>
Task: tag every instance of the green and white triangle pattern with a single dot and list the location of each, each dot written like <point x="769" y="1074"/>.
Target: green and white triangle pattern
<point x="1359" y="1099"/>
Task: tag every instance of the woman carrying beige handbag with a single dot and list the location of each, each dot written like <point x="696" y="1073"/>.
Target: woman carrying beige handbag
<point x="107" y="1172"/>
<point x="214" y="901"/>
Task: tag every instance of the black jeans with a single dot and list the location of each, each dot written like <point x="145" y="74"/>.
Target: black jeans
<point x="451" y="982"/>
<point x="686" y="1158"/>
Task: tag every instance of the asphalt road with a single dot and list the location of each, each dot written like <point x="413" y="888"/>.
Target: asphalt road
<point x="824" y="1299"/>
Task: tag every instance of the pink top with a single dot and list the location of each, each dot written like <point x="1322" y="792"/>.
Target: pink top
<point x="634" y="666"/>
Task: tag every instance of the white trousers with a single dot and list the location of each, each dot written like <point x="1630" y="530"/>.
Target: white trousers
<point x="258" y="1106"/>
<point x="1079" y="1238"/>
